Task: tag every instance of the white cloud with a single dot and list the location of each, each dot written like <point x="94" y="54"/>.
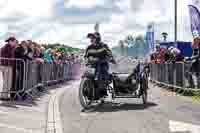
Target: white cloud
<point x="90" y="19"/>
<point x="34" y="8"/>
<point x="32" y="19"/>
<point x="124" y="4"/>
<point x="83" y="4"/>
<point x="73" y="36"/>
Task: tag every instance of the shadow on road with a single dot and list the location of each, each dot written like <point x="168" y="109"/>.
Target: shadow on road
<point x="116" y="107"/>
<point x="8" y="105"/>
<point x="32" y="101"/>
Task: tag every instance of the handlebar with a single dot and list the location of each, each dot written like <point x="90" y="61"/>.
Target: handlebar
<point x="94" y="60"/>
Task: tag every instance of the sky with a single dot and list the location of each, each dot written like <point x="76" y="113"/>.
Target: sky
<point x="69" y="21"/>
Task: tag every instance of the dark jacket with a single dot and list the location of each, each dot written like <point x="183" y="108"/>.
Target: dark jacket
<point x="196" y="54"/>
<point x="7" y="52"/>
<point x="195" y="60"/>
<point x="168" y="57"/>
<point x="100" y="51"/>
<point x="179" y="57"/>
<point x="20" y="53"/>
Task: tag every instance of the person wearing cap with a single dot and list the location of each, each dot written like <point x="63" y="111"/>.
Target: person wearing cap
<point x="157" y="47"/>
<point x="99" y="55"/>
<point x="8" y="52"/>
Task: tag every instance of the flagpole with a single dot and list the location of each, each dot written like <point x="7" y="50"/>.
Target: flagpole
<point x="175" y="22"/>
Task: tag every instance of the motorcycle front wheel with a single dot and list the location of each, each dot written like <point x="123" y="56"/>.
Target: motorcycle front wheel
<point x="84" y="88"/>
<point x="145" y="88"/>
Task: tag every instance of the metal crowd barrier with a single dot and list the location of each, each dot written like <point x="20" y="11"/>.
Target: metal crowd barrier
<point x="12" y="73"/>
<point x="176" y="75"/>
<point x="18" y="77"/>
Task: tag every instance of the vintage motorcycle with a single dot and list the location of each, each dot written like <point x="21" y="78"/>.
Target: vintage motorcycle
<point x="120" y="85"/>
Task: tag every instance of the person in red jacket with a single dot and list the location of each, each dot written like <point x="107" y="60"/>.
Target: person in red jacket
<point x="160" y="54"/>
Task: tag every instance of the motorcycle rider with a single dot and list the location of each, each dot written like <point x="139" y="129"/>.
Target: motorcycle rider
<point x="99" y="55"/>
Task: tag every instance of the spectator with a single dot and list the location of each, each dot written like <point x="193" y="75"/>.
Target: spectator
<point x="160" y="54"/>
<point x="168" y="55"/>
<point x="68" y="58"/>
<point x="48" y="56"/>
<point x="36" y="50"/>
<point x="153" y="57"/>
<point x="194" y="69"/>
<point x="177" y="56"/>
<point x="54" y="56"/>
<point x="30" y="49"/>
<point x="8" y="51"/>
<point x="37" y="53"/>
<point x="21" y="51"/>
<point x="72" y="57"/>
<point x="61" y="57"/>
<point x="42" y="50"/>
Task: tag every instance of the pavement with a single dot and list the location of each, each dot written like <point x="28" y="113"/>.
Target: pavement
<point x="28" y="116"/>
<point x="59" y="111"/>
<point x="22" y="117"/>
<point x="164" y="113"/>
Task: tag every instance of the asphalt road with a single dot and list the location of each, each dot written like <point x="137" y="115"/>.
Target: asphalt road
<point x="131" y="116"/>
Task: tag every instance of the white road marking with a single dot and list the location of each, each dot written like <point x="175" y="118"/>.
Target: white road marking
<point x="16" y="128"/>
<point x="54" y="121"/>
<point x="176" y="126"/>
<point x="89" y="114"/>
<point x="3" y="112"/>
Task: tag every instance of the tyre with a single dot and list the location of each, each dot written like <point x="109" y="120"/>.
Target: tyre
<point x="84" y="87"/>
<point x="144" y="88"/>
<point x="144" y="97"/>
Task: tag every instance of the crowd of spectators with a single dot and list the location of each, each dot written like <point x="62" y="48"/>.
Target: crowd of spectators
<point x="32" y="51"/>
<point x="166" y="55"/>
<point x="14" y="53"/>
<point x="174" y="55"/>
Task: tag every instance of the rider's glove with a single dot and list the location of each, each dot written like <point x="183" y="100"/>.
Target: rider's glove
<point x="114" y="62"/>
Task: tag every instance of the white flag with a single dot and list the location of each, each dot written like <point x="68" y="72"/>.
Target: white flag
<point x="96" y="27"/>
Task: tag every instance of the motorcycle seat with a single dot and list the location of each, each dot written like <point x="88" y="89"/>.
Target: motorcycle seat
<point x="122" y="77"/>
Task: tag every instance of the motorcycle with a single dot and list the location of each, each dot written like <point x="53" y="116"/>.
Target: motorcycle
<point x="92" y="90"/>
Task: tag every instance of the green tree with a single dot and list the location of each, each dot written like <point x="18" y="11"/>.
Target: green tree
<point x="61" y="47"/>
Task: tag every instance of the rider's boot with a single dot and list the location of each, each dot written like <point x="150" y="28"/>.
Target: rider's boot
<point x="140" y="93"/>
<point x="104" y="92"/>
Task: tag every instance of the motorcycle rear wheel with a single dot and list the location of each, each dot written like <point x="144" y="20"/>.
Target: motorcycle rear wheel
<point x="84" y="101"/>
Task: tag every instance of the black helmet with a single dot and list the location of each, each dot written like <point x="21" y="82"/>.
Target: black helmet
<point x="95" y="35"/>
<point x="91" y="35"/>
